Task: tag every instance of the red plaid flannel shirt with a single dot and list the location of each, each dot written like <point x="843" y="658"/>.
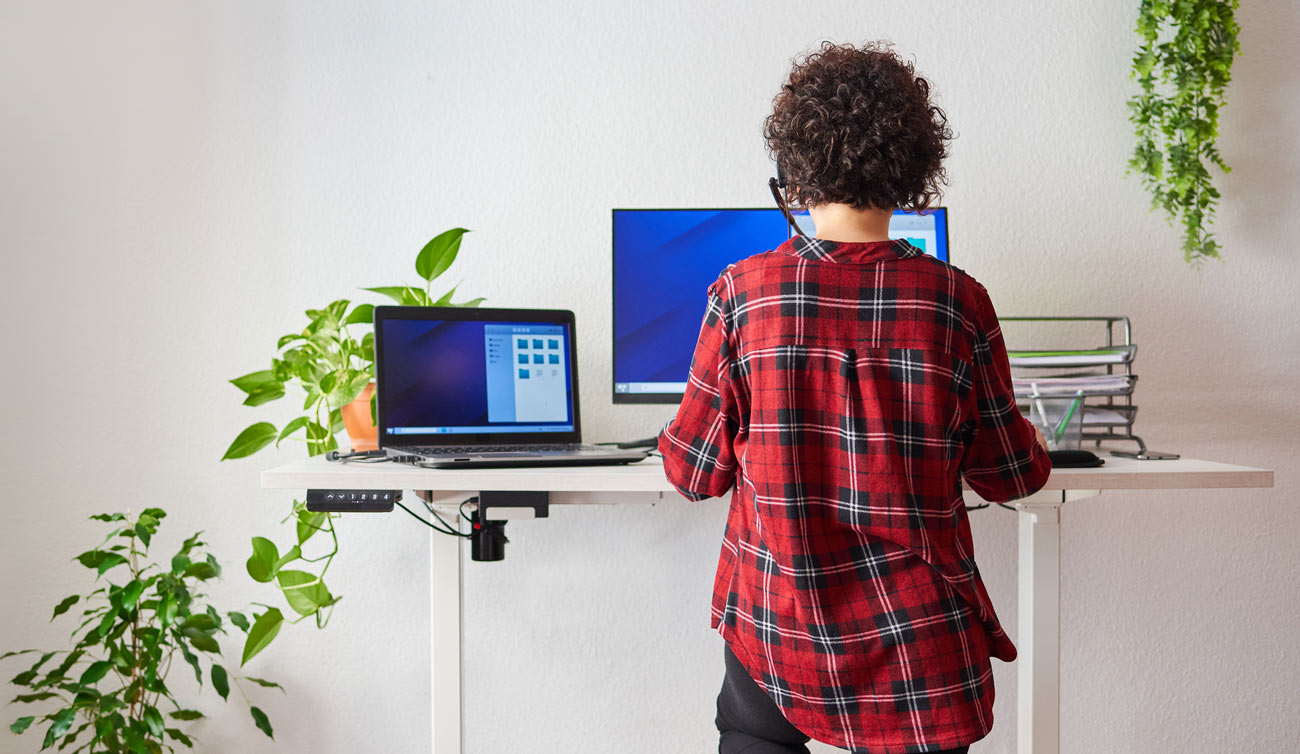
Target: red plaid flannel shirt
<point x="845" y="389"/>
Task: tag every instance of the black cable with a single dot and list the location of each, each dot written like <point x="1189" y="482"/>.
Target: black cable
<point x="355" y="455"/>
<point x="429" y="507"/>
<point x="428" y="523"/>
<point x="464" y="503"/>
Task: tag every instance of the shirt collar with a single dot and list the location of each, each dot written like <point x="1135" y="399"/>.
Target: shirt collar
<point x="843" y="252"/>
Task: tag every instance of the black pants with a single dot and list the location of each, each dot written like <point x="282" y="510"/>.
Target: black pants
<point x="749" y="722"/>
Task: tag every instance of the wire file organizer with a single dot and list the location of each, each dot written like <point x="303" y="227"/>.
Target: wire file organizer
<point x="1101" y="375"/>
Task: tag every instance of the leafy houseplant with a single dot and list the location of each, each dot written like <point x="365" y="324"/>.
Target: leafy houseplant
<point x="112" y="685"/>
<point x="332" y="367"/>
<point x="1183" y="66"/>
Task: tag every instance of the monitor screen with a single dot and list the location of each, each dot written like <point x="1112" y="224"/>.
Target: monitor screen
<point x="665" y="260"/>
<point x="441" y="377"/>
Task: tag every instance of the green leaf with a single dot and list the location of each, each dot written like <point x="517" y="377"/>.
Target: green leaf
<point x="29" y="698"/>
<point x="446" y="297"/>
<point x="293" y="554"/>
<point x="185" y="714"/>
<point x="62" y="721"/>
<point x="191" y="543"/>
<point x="260" y="635"/>
<point x="206" y="644"/>
<point x="261" y="387"/>
<point x="336" y="308"/>
<point x="153" y="720"/>
<point x="21" y="724"/>
<point x="177" y="735"/>
<point x="308" y="524"/>
<point x="286" y="340"/>
<point x="131" y="594"/>
<point x="106" y="623"/>
<point x="395" y="292"/>
<point x="405" y="295"/>
<point x="219" y="681"/>
<point x="261" y="564"/>
<point x="199" y="623"/>
<point x="194" y="662"/>
<point x="273" y="393"/>
<point x="263" y="724"/>
<point x="96" y="672"/>
<point x="291" y="427"/>
<point x="58" y="673"/>
<point x="202" y="571"/>
<point x="473" y="303"/>
<point x="104" y="561"/>
<point x="63" y="606"/>
<point x="251" y="440"/>
<point x="1144" y="63"/>
<point x="108" y="517"/>
<point x="17" y="652"/>
<point x="24" y="678"/>
<point x="362" y="314"/>
<point x="167" y="610"/>
<point x="134" y="741"/>
<point x="254" y="381"/>
<point x="265" y="684"/>
<point x="240" y="620"/>
<point x="305" y="592"/>
<point x="40" y="662"/>
<point x="439" y="253"/>
<point x="91" y="558"/>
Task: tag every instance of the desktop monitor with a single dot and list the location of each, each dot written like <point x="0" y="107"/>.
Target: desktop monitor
<point x="665" y="260"/>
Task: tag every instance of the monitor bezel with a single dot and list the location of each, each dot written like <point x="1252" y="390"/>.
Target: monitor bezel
<point x="672" y="399"/>
<point x="474" y="314"/>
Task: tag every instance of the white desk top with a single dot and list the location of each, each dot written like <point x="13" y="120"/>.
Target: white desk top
<point x="648" y="476"/>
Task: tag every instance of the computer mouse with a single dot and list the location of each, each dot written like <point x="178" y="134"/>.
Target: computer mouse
<point x="1074" y="459"/>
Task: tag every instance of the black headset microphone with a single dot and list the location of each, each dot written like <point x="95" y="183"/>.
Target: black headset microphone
<point x="778" y="185"/>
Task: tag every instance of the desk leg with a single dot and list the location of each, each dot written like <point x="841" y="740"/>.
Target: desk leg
<point x="444" y="652"/>
<point x="1039" y="665"/>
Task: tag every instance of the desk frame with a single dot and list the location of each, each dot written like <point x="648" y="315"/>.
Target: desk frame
<point x="1039" y="635"/>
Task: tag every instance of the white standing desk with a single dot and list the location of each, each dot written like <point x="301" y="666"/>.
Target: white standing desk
<point x="1039" y="635"/>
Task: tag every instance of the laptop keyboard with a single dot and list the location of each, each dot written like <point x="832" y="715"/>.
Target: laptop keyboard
<point x="463" y="450"/>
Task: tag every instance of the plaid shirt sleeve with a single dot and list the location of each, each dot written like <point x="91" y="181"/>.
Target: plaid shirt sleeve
<point x="697" y="444"/>
<point x="1003" y="462"/>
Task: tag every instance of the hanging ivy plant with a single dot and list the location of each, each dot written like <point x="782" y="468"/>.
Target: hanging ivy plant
<point x="1183" y="67"/>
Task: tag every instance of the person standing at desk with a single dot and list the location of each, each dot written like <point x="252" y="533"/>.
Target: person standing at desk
<point x="844" y="384"/>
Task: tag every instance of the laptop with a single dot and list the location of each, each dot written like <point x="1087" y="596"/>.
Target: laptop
<point x="475" y="388"/>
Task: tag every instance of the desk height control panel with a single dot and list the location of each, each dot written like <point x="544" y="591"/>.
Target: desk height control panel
<point x="352" y="501"/>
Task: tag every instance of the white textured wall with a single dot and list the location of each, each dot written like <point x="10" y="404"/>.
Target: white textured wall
<point x="179" y="180"/>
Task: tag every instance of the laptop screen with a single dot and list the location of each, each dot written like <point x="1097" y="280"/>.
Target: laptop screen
<point x="461" y="377"/>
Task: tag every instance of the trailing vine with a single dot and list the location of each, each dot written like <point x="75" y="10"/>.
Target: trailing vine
<point x="1183" y="66"/>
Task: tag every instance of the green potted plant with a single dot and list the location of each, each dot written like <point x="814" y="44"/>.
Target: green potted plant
<point x="334" y="370"/>
<point x="1183" y="67"/>
<point x="109" y="692"/>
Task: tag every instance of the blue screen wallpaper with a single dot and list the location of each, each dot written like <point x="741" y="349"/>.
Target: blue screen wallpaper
<point x="664" y="263"/>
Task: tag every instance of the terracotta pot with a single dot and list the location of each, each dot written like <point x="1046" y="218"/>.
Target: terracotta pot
<point x="356" y="420"/>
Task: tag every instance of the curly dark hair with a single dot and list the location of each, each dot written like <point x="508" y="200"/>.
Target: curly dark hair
<point x="855" y="126"/>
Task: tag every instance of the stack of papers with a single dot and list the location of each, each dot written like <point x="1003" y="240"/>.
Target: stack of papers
<point x="1100" y="384"/>
<point x="1096" y="415"/>
<point x="1115" y="355"/>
